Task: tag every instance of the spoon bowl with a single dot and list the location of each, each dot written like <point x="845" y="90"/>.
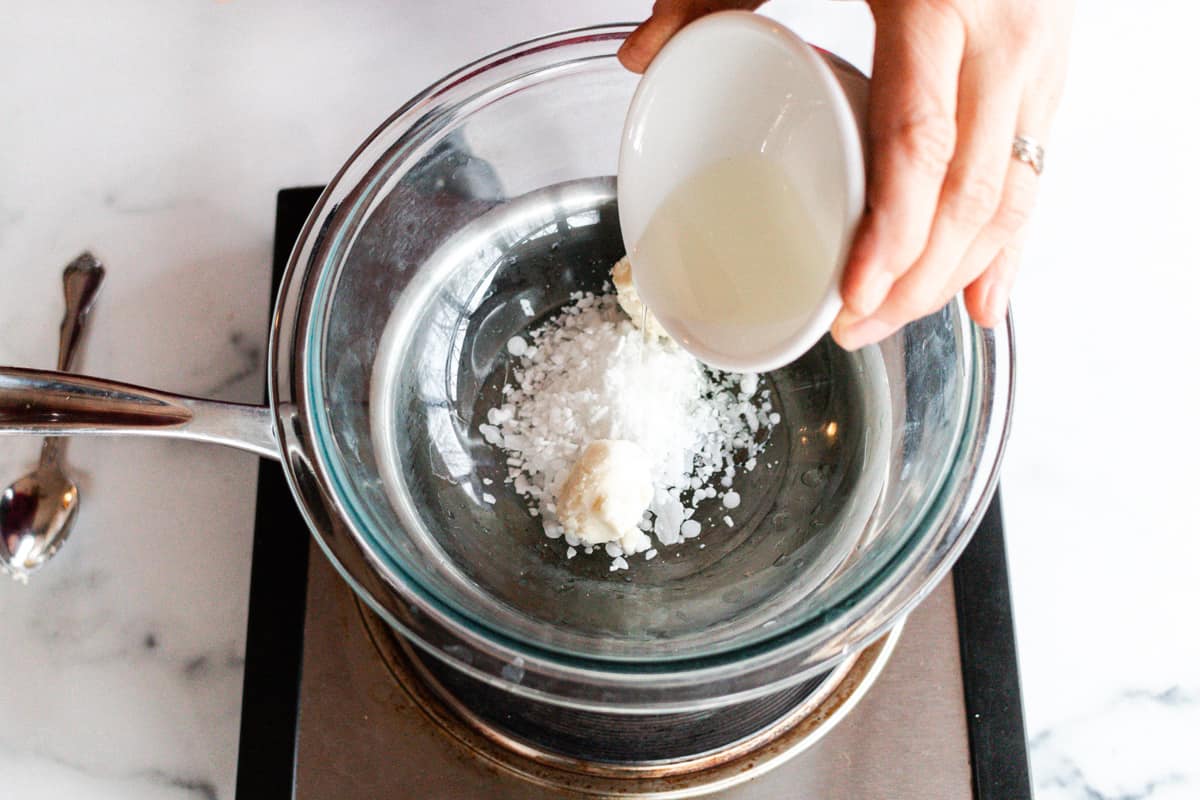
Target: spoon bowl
<point x="37" y="513"/>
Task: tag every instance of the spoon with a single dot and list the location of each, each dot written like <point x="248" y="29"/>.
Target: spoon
<point x="37" y="511"/>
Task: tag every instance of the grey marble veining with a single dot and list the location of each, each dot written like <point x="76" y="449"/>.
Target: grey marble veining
<point x="158" y="134"/>
<point x="1089" y="755"/>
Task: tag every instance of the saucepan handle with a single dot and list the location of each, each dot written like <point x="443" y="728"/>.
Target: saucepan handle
<point x="60" y="404"/>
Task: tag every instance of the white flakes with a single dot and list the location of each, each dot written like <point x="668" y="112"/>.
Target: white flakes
<point x="635" y="542"/>
<point x="775" y="418"/>
<point x="491" y="435"/>
<point x="728" y="520"/>
<point x="651" y="553"/>
<point x="518" y="346"/>
<point x="571" y="551"/>
<point x="618" y="563"/>
<point x="668" y="521"/>
<point x="731" y="500"/>
<point x="588" y="374"/>
<point x="526" y="307"/>
<point x="489" y="498"/>
<point x="499" y="416"/>
<point x="487" y="481"/>
<point x="751" y="463"/>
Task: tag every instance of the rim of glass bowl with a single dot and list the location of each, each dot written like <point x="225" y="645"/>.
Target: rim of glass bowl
<point x="864" y="612"/>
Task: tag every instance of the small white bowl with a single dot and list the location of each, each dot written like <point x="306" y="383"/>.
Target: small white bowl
<point x="737" y="83"/>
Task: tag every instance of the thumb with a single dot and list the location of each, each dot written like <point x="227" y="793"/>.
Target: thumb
<point x="666" y="20"/>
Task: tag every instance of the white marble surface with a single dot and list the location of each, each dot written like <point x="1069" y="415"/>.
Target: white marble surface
<point x="157" y="134"/>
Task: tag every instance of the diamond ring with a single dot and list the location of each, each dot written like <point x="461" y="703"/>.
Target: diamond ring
<point x="1026" y="149"/>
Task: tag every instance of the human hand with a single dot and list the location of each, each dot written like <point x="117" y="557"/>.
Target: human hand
<point x="947" y="203"/>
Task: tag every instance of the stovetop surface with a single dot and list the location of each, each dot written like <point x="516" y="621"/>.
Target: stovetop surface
<point x="362" y="736"/>
<point x="324" y="718"/>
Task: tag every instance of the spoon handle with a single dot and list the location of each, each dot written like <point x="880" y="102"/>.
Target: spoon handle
<point x="81" y="284"/>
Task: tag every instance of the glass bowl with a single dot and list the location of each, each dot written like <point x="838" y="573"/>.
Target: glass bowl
<point x="491" y="192"/>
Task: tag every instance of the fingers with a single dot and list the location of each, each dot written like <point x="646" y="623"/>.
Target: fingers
<point x="945" y="199"/>
<point x="967" y="207"/>
<point x="648" y="38"/>
<point x="987" y="296"/>
<point x="990" y="266"/>
<point x="1000" y="235"/>
<point x="667" y="18"/>
<point x="912" y="136"/>
<point x="1009" y="83"/>
<point x="988" y="270"/>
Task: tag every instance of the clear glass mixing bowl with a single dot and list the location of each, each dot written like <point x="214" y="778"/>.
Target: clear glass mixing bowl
<point x="495" y="188"/>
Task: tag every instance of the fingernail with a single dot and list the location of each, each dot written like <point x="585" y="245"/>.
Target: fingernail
<point x="863" y="333"/>
<point x="871" y="292"/>
<point x="996" y="305"/>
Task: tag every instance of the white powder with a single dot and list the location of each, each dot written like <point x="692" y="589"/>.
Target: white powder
<point x="589" y="374"/>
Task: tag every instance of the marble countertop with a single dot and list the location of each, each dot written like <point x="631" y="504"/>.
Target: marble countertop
<point x="158" y="134"/>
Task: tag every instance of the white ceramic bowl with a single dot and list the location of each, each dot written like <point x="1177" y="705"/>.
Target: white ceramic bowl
<point x="737" y="83"/>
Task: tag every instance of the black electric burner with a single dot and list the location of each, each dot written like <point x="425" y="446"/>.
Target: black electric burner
<point x="334" y="705"/>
